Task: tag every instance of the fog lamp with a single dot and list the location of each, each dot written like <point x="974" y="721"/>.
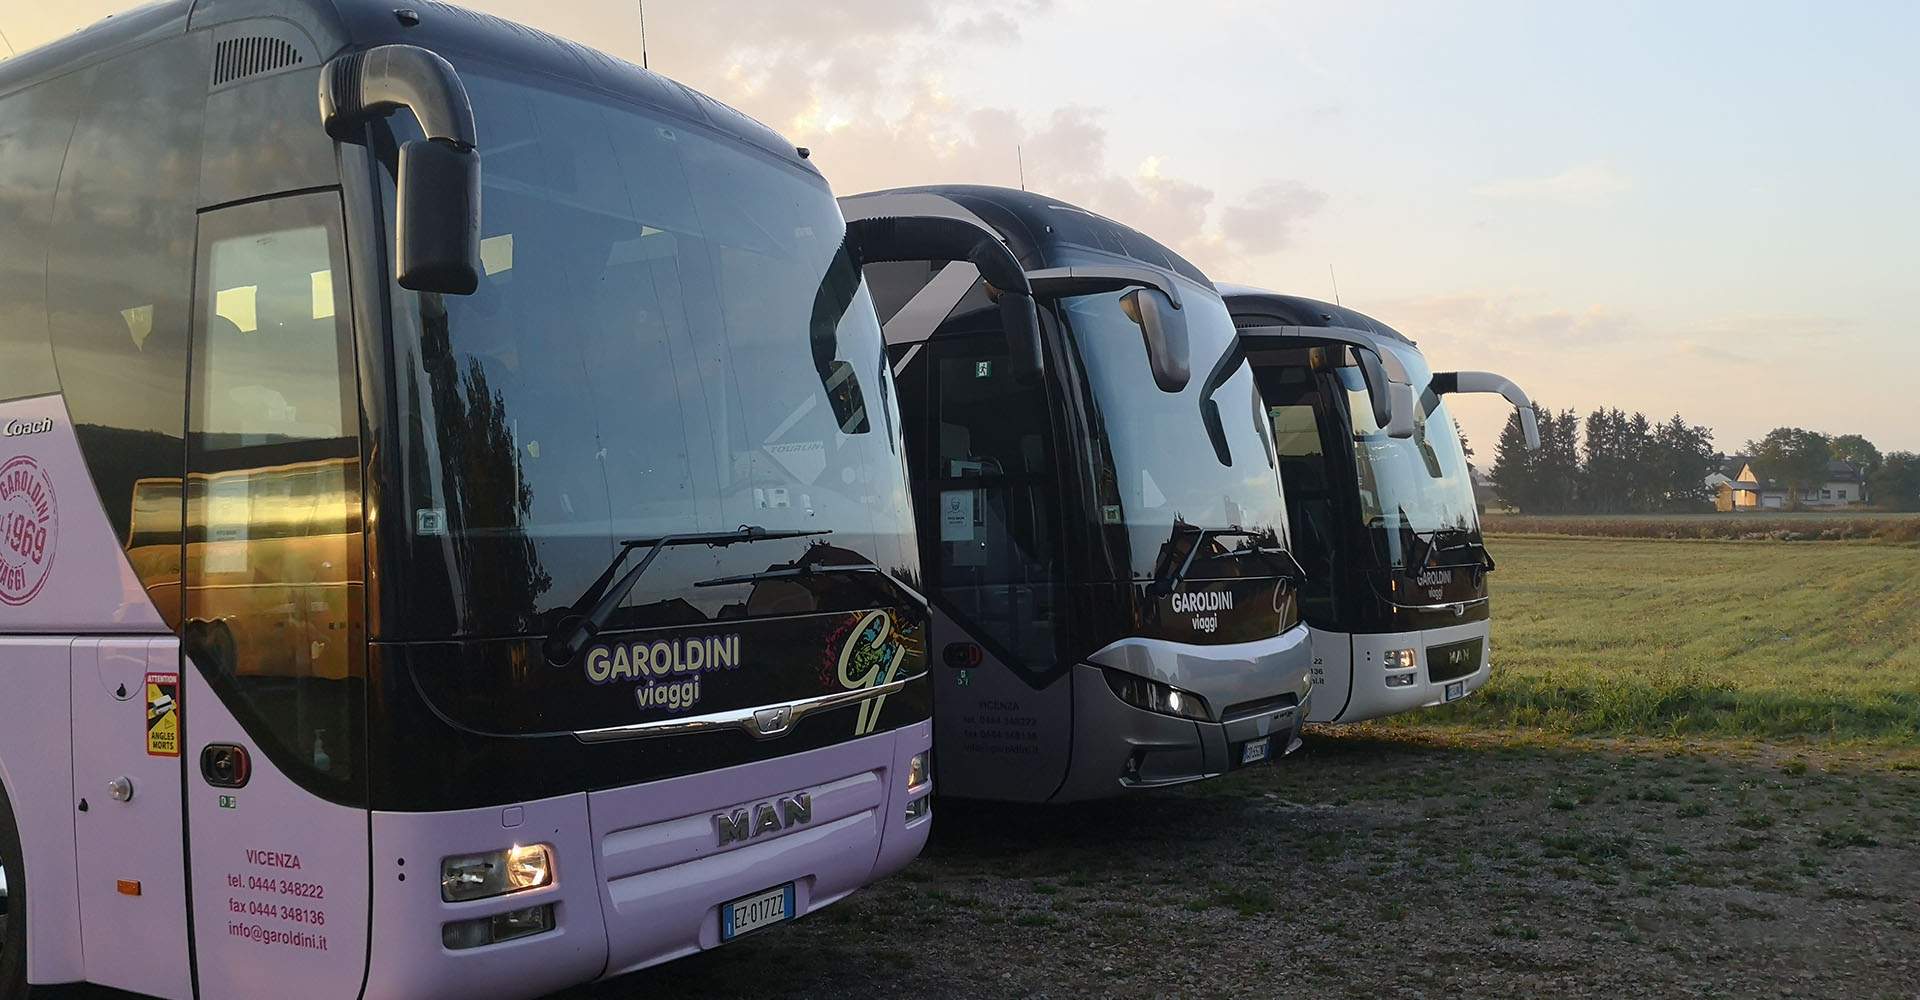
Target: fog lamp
<point x="1400" y="680"/>
<point x="920" y="807"/>
<point x="481" y="931"/>
<point x="495" y="873"/>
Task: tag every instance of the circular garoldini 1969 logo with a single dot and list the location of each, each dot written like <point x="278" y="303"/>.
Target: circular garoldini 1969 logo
<point x="29" y="527"/>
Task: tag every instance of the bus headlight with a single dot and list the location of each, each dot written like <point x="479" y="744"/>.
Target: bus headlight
<point x="1402" y="659"/>
<point x="918" y="772"/>
<point x="1154" y="696"/>
<point x="495" y="873"/>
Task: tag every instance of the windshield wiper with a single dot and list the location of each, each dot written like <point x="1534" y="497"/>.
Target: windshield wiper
<point x="577" y="629"/>
<point x="884" y="583"/>
<point x="1291" y="569"/>
<point x="1436" y="543"/>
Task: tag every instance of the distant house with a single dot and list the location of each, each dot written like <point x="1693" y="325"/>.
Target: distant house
<point x="1736" y="487"/>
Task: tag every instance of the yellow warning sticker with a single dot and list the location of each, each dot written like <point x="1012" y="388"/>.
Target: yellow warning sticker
<point x="163" y="715"/>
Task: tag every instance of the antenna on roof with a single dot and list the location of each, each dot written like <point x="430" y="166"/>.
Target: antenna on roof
<point x="1336" y="284"/>
<point x="642" y="4"/>
<point x="1020" y="157"/>
<point x="4" y="38"/>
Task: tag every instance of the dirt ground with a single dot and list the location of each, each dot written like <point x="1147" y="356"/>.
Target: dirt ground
<point x="1403" y="864"/>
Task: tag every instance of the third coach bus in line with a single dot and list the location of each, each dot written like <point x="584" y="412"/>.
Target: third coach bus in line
<point x="1113" y="599"/>
<point x="454" y="530"/>
<point x="1381" y="501"/>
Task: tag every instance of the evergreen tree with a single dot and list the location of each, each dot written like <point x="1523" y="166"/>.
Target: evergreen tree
<point x="1515" y="475"/>
<point x="1896" y="483"/>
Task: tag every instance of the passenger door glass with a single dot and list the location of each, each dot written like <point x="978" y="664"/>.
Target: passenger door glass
<point x="274" y="546"/>
<point x="988" y="502"/>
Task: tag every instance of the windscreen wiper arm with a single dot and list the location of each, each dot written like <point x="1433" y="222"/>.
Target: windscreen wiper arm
<point x="577" y="629"/>
<point x="1290" y="570"/>
<point x="886" y="585"/>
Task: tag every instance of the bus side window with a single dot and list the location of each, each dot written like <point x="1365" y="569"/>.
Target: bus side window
<point x="275" y="602"/>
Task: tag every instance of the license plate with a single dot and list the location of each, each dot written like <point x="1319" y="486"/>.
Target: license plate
<point x="1457" y="690"/>
<point x="756" y="911"/>
<point x="1255" y="751"/>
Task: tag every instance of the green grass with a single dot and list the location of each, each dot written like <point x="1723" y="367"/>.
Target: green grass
<point x="1616" y="637"/>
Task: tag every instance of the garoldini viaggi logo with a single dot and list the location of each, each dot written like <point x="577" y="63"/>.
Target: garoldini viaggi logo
<point x="869" y="656"/>
<point x="29" y="529"/>
<point x="667" y="671"/>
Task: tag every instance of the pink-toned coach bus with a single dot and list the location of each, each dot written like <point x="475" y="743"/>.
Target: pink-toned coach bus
<point x="454" y="533"/>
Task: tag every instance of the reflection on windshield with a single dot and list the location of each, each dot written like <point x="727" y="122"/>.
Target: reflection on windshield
<point x="668" y="338"/>
<point x="1161" y="473"/>
<point x="1418" y="485"/>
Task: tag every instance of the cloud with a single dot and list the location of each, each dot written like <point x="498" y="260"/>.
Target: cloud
<point x="1583" y="183"/>
<point x="870" y="96"/>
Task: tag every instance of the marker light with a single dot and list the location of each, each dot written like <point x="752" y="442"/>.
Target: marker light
<point x="918" y="772"/>
<point x="495" y="873"/>
<point x="1157" y="697"/>
<point x="481" y="931"/>
<point x="1402" y="659"/>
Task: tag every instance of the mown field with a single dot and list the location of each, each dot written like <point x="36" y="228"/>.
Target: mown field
<point x="1696" y="773"/>
<point x="1779" y="526"/>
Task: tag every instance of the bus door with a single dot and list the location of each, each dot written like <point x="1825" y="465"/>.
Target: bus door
<point x="990" y="546"/>
<point x="274" y="632"/>
<point x="127" y="826"/>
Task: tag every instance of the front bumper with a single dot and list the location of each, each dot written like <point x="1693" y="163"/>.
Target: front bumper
<point x="1373" y="699"/>
<point x="639" y="875"/>
<point x="1118" y="748"/>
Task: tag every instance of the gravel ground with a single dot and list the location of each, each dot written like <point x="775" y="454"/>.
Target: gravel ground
<point x="1408" y="864"/>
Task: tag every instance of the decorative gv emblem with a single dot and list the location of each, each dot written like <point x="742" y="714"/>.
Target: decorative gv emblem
<point x="784" y="813"/>
<point x="869" y="659"/>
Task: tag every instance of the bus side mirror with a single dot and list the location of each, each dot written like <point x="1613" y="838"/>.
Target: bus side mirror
<point x="437" y="218"/>
<point x="1021" y="321"/>
<point x="1392" y="401"/>
<point x="1163" y="326"/>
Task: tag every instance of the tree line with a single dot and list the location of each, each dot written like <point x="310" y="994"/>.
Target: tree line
<point x="1617" y="463"/>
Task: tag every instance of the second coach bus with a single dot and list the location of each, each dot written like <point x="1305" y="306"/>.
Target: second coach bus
<point x="455" y="537"/>
<point x="1105" y="551"/>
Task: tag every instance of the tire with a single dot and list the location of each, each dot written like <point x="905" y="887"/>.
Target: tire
<point x="13" y="924"/>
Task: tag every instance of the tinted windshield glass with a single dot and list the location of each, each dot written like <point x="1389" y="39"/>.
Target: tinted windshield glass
<point x="1164" y="473"/>
<point x="1420" y="483"/>
<point x="640" y="360"/>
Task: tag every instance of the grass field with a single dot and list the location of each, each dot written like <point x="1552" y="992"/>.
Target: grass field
<point x="1674" y="638"/>
<point x="1695" y="772"/>
<point x="1779" y="526"/>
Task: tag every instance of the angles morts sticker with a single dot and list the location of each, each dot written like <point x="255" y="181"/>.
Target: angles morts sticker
<point x="163" y="715"/>
<point x="29" y="529"/>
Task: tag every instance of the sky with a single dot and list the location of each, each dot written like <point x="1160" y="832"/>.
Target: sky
<point x="1708" y="208"/>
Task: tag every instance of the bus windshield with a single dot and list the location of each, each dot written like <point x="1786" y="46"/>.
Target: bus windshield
<point x="1418" y="485"/>
<point x="639" y="361"/>
<point x="1165" y="482"/>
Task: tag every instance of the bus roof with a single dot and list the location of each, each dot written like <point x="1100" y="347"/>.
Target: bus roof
<point x="1041" y="231"/>
<point x="338" y="25"/>
<point x="1259" y="307"/>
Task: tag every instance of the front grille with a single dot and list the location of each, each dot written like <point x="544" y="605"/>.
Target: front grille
<point x="1248" y="709"/>
<point x="1453" y="660"/>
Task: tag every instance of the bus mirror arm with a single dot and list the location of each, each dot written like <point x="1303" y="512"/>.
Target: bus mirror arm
<point x="1393" y="408"/>
<point x="1459" y="382"/>
<point x="437" y="184"/>
<point x="896" y="238"/>
<point x="1223" y="369"/>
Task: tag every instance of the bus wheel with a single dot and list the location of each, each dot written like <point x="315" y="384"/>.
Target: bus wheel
<point x="13" y="907"/>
